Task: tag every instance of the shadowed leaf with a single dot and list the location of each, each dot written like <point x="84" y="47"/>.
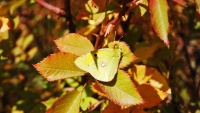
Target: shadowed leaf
<point x="68" y="103"/>
<point x="114" y="108"/>
<point x="152" y="96"/>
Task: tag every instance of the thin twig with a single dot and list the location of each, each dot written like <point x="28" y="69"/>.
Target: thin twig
<point x="52" y="8"/>
<point x="105" y="30"/>
<point x="68" y="16"/>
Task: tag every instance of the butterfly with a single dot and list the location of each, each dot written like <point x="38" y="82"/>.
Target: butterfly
<point x="102" y="64"/>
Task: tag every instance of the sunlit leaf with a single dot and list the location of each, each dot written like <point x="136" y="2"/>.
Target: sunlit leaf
<point x="68" y="103"/>
<point x="143" y="6"/>
<point x="122" y="90"/>
<point x="152" y="96"/>
<point x="141" y="73"/>
<point x="4" y="24"/>
<point x="58" y="66"/>
<point x="197" y="6"/>
<point x="74" y="44"/>
<point x="127" y="55"/>
<point x="90" y="7"/>
<point x="114" y="108"/>
<point x="159" y="18"/>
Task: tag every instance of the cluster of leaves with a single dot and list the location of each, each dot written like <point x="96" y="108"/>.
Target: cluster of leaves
<point x="92" y="71"/>
<point x="113" y="83"/>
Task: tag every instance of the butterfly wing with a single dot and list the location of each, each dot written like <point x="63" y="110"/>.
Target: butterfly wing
<point x="101" y="64"/>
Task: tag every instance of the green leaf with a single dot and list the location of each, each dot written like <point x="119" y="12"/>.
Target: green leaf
<point x="159" y="18"/>
<point x="143" y="7"/>
<point x="102" y="64"/>
<point x="68" y="103"/>
<point x="127" y="55"/>
<point x="121" y="90"/>
<point x="58" y="66"/>
<point x="197" y="6"/>
<point x="74" y="44"/>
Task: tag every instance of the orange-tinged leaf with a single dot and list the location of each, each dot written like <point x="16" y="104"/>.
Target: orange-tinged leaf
<point x="197" y="6"/>
<point x="58" y="66"/>
<point x="114" y="108"/>
<point x="127" y="55"/>
<point x="181" y="2"/>
<point x="142" y="74"/>
<point x="143" y="52"/>
<point x="4" y="24"/>
<point x="138" y="110"/>
<point x="121" y="90"/>
<point x="159" y="18"/>
<point x="159" y="81"/>
<point x="152" y="96"/>
<point x="96" y="88"/>
<point x="74" y="44"/>
<point x="68" y="103"/>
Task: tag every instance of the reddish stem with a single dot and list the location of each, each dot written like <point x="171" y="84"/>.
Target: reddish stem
<point x="52" y="8"/>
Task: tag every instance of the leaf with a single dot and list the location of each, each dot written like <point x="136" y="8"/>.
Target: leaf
<point x="4" y="24"/>
<point x="143" y="6"/>
<point x="143" y="52"/>
<point x="102" y="64"/>
<point x="68" y="103"/>
<point x="159" y="81"/>
<point x="138" y="110"/>
<point x="127" y="55"/>
<point x="48" y="103"/>
<point x="121" y="90"/>
<point x="152" y="96"/>
<point x="74" y="44"/>
<point x="159" y="18"/>
<point x="114" y="108"/>
<point x="181" y="2"/>
<point x="141" y="73"/>
<point x="58" y="66"/>
<point x="88" y="102"/>
<point x="97" y="89"/>
<point x="197" y="6"/>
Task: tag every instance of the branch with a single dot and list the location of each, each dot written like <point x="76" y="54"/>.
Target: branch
<point x="109" y="27"/>
<point x="68" y="16"/>
<point x="52" y="8"/>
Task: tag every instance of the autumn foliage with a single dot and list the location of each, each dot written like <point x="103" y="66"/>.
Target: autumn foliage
<point x="109" y="56"/>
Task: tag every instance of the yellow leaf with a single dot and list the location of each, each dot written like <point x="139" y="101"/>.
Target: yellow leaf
<point x="4" y="24"/>
<point x="141" y="74"/>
